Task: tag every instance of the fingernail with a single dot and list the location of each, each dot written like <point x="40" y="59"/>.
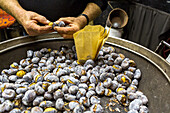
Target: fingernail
<point x="57" y="22"/>
<point x="48" y="21"/>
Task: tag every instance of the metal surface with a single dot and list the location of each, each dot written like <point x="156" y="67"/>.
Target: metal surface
<point x="155" y="70"/>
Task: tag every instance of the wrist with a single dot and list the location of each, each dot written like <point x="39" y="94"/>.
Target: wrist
<point x="20" y="15"/>
<point x="82" y="21"/>
<point x="87" y="18"/>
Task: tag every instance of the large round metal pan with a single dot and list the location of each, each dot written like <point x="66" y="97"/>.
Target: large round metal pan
<point x="155" y="82"/>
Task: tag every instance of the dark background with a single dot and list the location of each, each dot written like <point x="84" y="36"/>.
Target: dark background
<point x="158" y="8"/>
<point x="162" y="5"/>
<point x="158" y="4"/>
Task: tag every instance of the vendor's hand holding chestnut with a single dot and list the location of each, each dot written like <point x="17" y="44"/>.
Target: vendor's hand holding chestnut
<point x="73" y="24"/>
<point x="30" y="21"/>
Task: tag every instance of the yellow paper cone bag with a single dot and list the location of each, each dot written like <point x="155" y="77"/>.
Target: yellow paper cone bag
<point x="89" y="41"/>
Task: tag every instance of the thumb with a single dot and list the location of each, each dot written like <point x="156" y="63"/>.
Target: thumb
<point x="41" y="19"/>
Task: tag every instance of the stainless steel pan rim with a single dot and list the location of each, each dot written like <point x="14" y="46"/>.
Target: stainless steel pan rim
<point x="23" y="40"/>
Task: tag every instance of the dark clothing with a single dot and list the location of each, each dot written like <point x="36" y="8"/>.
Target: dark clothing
<point x="55" y="9"/>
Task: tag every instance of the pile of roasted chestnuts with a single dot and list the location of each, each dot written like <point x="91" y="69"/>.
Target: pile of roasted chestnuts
<point x="51" y="81"/>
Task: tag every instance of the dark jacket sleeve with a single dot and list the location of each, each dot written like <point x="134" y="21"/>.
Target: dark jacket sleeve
<point x="101" y="3"/>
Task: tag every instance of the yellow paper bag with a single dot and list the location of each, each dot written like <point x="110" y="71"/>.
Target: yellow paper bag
<point x="89" y="41"/>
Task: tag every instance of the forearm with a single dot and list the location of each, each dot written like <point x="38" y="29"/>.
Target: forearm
<point x="92" y="11"/>
<point x="13" y="8"/>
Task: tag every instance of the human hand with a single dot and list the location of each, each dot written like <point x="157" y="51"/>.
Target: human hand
<point x="30" y="21"/>
<point x="75" y="24"/>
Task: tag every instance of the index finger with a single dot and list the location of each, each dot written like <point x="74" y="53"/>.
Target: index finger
<point x="65" y="30"/>
<point x="43" y="28"/>
<point x="41" y="19"/>
<point x="40" y="29"/>
<point x="66" y="19"/>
